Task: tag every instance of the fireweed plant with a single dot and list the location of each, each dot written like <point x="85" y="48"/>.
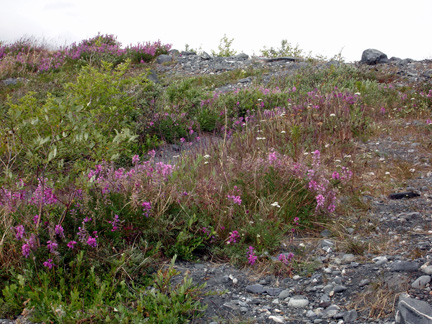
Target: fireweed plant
<point x="88" y="212"/>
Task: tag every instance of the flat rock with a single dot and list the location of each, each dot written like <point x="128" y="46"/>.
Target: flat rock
<point x="413" y="311"/>
<point x="421" y="282"/>
<point x="404" y="266"/>
<point x="255" y="289"/>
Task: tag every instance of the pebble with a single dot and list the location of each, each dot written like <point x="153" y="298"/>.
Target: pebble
<point x="298" y="301"/>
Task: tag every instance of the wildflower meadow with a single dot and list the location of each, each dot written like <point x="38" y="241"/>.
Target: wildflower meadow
<point x="92" y="221"/>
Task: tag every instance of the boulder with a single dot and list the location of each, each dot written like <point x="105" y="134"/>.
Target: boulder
<point x="373" y="56"/>
<point x="163" y="58"/>
<point x="413" y="311"/>
<point x="205" y="56"/>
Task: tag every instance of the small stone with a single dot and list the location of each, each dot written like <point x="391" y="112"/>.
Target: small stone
<point x="327" y="289"/>
<point x="331" y="311"/>
<point x="275" y="301"/>
<point x="350" y="316"/>
<point x="325" y="233"/>
<point x="380" y="260"/>
<point x="426" y="269"/>
<point x="276" y="319"/>
<point x="298" y="302"/>
<point x="364" y="282"/>
<point x="421" y="282"/>
<point x="255" y="289"/>
<point x="284" y="294"/>
<point x="348" y="258"/>
<point x="273" y="291"/>
<point x="310" y="313"/>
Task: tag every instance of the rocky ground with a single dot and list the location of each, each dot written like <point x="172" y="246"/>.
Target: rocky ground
<point x="377" y="269"/>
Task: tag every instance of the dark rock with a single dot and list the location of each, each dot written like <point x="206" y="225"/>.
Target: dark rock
<point x="222" y="67"/>
<point x="187" y="53"/>
<point x="282" y="59"/>
<point x="153" y="76"/>
<point x="174" y="52"/>
<point x="242" y="56"/>
<point x="413" y="311"/>
<point x="205" y="56"/>
<point x="325" y="233"/>
<point x="350" y="316"/>
<point x="394" y="59"/>
<point x="273" y="291"/>
<point x="402" y="195"/>
<point x="373" y="56"/>
<point x="404" y="266"/>
<point x="405" y="61"/>
<point x="255" y="289"/>
<point x="245" y="80"/>
<point x="427" y="74"/>
<point x="163" y="58"/>
<point x="339" y="288"/>
<point x="421" y="282"/>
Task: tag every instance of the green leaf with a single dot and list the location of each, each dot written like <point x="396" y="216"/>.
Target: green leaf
<point x="52" y="154"/>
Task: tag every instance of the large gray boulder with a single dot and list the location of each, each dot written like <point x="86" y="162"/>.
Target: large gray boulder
<point x="413" y="311"/>
<point x="163" y="58"/>
<point x="373" y="56"/>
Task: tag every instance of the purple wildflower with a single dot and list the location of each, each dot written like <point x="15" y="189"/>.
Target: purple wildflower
<point x="236" y="199"/>
<point x="52" y="247"/>
<point x="251" y="255"/>
<point x="320" y="201"/>
<point x="71" y="244"/>
<point x="49" y="264"/>
<point x="92" y="241"/>
<point x="59" y="231"/>
<point x="285" y="258"/>
<point x="26" y="250"/>
<point x="234" y="236"/>
<point x="19" y="232"/>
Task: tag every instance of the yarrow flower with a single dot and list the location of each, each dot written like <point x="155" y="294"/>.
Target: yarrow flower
<point x="276" y="204"/>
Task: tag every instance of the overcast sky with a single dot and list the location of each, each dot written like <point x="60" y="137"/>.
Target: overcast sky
<point x="398" y="28"/>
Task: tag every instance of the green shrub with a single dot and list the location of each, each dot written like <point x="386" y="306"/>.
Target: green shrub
<point x="224" y="47"/>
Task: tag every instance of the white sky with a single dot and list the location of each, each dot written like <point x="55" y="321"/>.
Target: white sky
<point x="399" y="28"/>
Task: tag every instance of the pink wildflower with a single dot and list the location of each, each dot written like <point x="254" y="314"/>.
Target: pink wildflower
<point x="49" y="264"/>
<point x="251" y="255"/>
<point x="234" y="236"/>
<point x="71" y="244"/>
